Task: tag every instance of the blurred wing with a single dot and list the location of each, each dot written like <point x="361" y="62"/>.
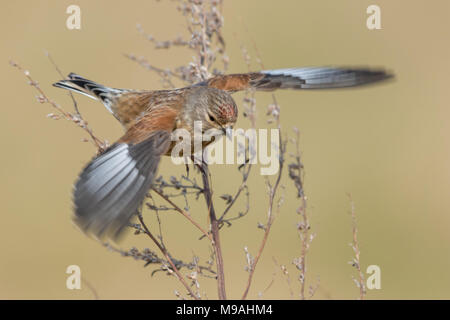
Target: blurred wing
<point x="298" y="78"/>
<point x="112" y="187"/>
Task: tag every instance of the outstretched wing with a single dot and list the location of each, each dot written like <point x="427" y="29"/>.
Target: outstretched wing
<point x="298" y="78"/>
<point x="111" y="188"/>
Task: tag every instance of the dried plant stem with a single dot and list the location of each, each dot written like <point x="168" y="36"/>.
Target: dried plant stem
<point x="303" y="227"/>
<point x="76" y="118"/>
<point x="166" y="254"/>
<point x="272" y="192"/>
<point x="285" y="273"/>
<point x="304" y="248"/>
<point x="91" y="287"/>
<point x="207" y="192"/>
<point x="164" y="74"/>
<point x="242" y="187"/>
<point x="184" y="213"/>
<point x="355" y="245"/>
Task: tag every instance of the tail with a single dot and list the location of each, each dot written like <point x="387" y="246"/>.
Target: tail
<point x="89" y="88"/>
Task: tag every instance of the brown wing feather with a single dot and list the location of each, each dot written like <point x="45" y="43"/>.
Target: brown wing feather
<point x="233" y="82"/>
<point x="160" y="118"/>
<point x="131" y="106"/>
<point x="298" y="78"/>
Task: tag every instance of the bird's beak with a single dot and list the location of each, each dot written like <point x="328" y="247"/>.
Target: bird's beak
<point x="228" y="131"/>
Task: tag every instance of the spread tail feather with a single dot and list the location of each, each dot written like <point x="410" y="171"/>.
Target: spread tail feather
<point x="89" y="88"/>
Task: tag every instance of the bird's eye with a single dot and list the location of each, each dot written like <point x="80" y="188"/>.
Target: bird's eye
<point x="212" y="118"/>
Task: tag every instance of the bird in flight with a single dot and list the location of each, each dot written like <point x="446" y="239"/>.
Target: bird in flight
<point x="111" y="188"/>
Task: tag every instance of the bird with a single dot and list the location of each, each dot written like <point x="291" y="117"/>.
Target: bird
<point x="112" y="186"/>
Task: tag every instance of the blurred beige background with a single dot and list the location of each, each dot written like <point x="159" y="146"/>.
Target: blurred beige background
<point x="388" y="145"/>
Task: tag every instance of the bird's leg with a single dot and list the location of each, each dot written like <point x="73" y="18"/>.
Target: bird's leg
<point x="203" y="169"/>
<point x="187" y="170"/>
<point x="247" y="160"/>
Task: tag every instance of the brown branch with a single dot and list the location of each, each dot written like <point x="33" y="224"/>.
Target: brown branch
<point x="207" y="192"/>
<point x="75" y="118"/>
<point x="184" y="213"/>
<point x="272" y="192"/>
<point x="100" y="144"/>
<point x="242" y="187"/>
<point x="166" y="254"/>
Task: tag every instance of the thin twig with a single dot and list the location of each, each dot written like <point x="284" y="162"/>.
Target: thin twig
<point x="166" y="254"/>
<point x="285" y="273"/>
<point x="184" y="213"/>
<point x="355" y="246"/>
<point x="272" y="192"/>
<point x="91" y="287"/>
<point x="296" y="174"/>
<point x="75" y="118"/>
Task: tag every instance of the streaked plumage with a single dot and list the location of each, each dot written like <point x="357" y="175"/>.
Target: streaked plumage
<point x="113" y="185"/>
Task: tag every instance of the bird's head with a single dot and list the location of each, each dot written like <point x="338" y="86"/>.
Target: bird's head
<point x="216" y="109"/>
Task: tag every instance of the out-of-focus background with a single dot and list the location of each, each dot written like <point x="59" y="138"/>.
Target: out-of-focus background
<point x="387" y="145"/>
